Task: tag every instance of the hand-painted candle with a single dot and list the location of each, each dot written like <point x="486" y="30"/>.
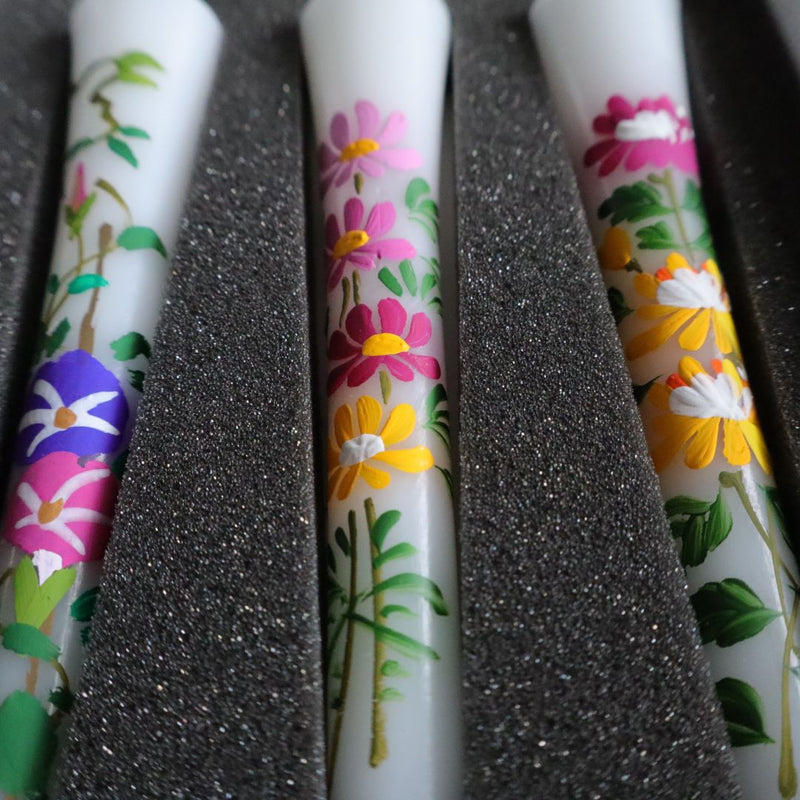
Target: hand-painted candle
<point x="392" y="648"/>
<point x="142" y="73"/>
<point x="617" y="74"/>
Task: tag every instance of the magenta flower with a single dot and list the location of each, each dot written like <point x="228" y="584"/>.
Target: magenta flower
<point x="365" y="350"/>
<point x="360" y="246"/>
<point x="651" y="133"/>
<point x="370" y="151"/>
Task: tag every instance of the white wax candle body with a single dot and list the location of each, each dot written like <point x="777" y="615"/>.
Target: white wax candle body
<point x="142" y="73"/>
<point x="618" y="79"/>
<point x="377" y="75"/>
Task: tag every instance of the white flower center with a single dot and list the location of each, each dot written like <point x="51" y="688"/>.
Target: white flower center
<point x="648" y="125"/>
<point x="709" y="397"/>
<point x="46" y="564"/>
<point x="360" y="448"/>
<point x="690" y="289"/>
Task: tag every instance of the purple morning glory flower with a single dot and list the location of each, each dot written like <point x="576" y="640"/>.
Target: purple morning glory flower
<point x="75" y="405"/>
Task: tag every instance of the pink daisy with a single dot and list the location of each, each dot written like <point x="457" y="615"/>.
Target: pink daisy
<point x="360" y="246"/>
<point x="651" y="133"/>
<point x="370" y="151"/>
<point x="365" y="350"/>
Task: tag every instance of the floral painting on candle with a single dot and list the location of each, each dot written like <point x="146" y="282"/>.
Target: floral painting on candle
<point x="384" y="339"/>
<point x="674" y="317"/>
<point x="73" y="434"/>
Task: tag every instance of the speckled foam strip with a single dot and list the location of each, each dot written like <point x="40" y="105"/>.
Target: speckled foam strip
<point x="583" y="672"/>
<point x="33" y="59"/>
<point x="204" y="680"/>
<point x="752" y="116"/>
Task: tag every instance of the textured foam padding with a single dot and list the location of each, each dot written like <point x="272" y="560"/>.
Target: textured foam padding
<point x="747" y="102"/>
<point x="584" y="676"/>
<point x="205" y="678"/>
<point x="33" y="60"/>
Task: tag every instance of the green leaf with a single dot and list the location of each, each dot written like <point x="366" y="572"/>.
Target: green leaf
<point x="640" y="390"/>
<point x="685" y="505"/>
<point x="138" y="238"/>
<point x="86" y="635"/>
<point x="384" y="523"/>
<point x="393" y="669"/>
<point x="110" y="190"/>
<point x="129" y="76"/>
<point x="693" y="200"/>
<point x="409" y="276"/>
<point x="390" y="281"/>
<point x="130" y="346"/>
<point x="428" y="282"/>
<point x="27" y="745"/>
<point x="342" y="541"/>
<point x="25" y="640"/>
<point x="76" y="148"/>
<point x="705" y="243"/>
<point x="415" y="190"/>
<point x="119" y="464"/>
<point x="448" y="479"/>
<point x="437" y="395"/>
<point x="33" y="603"/>
<point x="53" y="282"/>
<point x="657" y="237"/>
<point x="386" y="385"/>
<point x="619" y="307"/>
<point x="402" y="550"/>
<point x="122" y="150"/>
<point x="55" y="339"/>
<point x="430" y="210"/>
<point x="135" y="133"/>
<point x="137" y="58"/>
<point x="743" y="712"/>
<point x="75" y="219"/>
<point x="85" y="283"/>
<point x="84" y="607"/>
<point x="718" y="524"/>
<point x="693" y="551"/>
<point x="729" y="612"/>
<point x="63" y="699"/>
<point x="403" y="644"/>
<point x="389" y="694"/>
<point x="387" y="611"/>
<point x="411" y="583"/>
<point x="331" y="558"/>
<point x="633" y="203"/>
<point x="136" y="379"/>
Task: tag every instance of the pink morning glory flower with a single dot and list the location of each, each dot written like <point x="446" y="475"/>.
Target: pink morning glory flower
<point x="360" y="245"/>
<point x="652" y="133"/>
<point x="370" y="151"/>
<point x="363" y="349"/>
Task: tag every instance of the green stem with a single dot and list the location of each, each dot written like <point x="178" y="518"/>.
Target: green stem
<point x="348" y="648"/>
<point x="668" y="182"/>
<point x="62" y="673"/>
<point x="345" y="300"/>
<point x="787" y="774"/>
<point x="379" y="749"/>
<point x="356" y="287"/>
<point x="89" y="70"/>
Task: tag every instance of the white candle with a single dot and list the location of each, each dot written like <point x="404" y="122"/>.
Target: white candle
<point x="617" y="74"/>
<point x="141" y="73"/>
<point x="377" y="75"/>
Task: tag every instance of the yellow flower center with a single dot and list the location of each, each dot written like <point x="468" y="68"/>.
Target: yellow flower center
<point x="384" y="344"/>
<point x="360" y="147"/>
<point x="352" y="240"/>
<point x="65" y="418"/>
<point x="49" y="511"/>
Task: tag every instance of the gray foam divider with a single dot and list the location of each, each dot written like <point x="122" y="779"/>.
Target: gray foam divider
<point x="33" y="61"/>
<point x="583" y="672"/>
<point x="752" y="184"/>
<point x="205" y="677"/>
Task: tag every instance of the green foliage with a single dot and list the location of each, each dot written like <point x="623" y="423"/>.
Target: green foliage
<point x="76" y="148"/>
<point x="134" y="133"/>
<point x="657" y="237"/>
<point x="136" y="58"/>
<point x="411" y="583"/>
<point x="130" y="346"/>
<point x="390" y="694"/>
<point x="136" y="379"/>
<point x="438" y="417"/>
<point x="387" y="278"/>
<point x="640" y="390"/>
<point x="633" y="204"/>
<point x="123" y="150"/>
<point x="393" y="669"/>
<point x="76" y="218"/>
<point x="619" y="308"/>
<point x="25" y="640"/>
<point x="729" y="612"/>
<point x="33" y="603"/>
<point x="422" y="210"/>
<point x="402" y="550"/>
<point x="139" y="238"/>
<point x="84" y="607"/>
<point x="341" y="539"/>
<point x="399" y="642"/>
<point x="53" y="282"/>
<point x="380" y="530"/>
<point x="54" y="340"/>
<point x="743" y="711"/>
<point x="63" y="699"/>
<point x="27" y="745"/>
<point x="409" y="277"/>
<point x="85" y="283"/>
<point x="701" y="526"/>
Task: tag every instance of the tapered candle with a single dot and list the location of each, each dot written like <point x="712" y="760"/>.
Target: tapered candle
<point x="377" y="76"/>
<point x="141" y="73"/>
<point x="617" y="75"/>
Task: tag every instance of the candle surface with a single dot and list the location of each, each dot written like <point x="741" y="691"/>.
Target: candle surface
<point x="618" y="79"/>
<point x="141" y="76"/>
<point x="392" y="649"/>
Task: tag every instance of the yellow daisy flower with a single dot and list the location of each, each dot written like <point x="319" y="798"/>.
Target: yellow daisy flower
<point x="615" y="252"/>
<point x="684" y="298"/>
<point x="351" y="456"/>
<point x="697" y="405"/>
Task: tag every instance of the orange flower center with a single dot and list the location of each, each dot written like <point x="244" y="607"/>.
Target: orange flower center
<point x="360" y="147"/>
<point x="49" y="511"/>
<point x="384" y="344"/>
<point x="674" y="381"/>
<point x="65" y="418"/>
<point x="352" y="240"/>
